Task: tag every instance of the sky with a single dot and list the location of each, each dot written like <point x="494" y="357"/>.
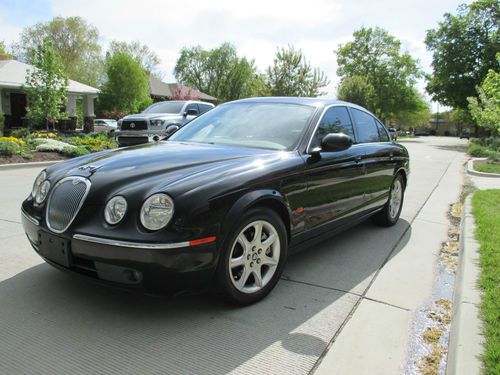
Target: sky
<point x="256" y="28"/>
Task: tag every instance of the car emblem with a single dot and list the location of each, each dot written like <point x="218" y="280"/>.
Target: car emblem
<point x="132" y="125"/>
<point x="90" y="168"/>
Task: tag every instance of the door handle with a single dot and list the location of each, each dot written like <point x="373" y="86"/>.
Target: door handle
<point x="357" y="159"/>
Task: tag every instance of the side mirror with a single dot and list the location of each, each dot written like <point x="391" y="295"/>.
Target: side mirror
<point x="172" y="129"/>
<point x="191" y="112"/>
<point x="335" y="142"/>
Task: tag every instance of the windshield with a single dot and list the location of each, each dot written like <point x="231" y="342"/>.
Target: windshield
<point x="164" y="107"/>
<point x="263" y="125"/>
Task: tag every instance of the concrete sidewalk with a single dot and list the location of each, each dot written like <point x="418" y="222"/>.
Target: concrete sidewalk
<point x="376" y="337"/>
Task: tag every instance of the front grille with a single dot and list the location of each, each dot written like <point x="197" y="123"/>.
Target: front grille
<point x="134" y="125"/>
<point x="65" y="201"/>
<point x="130" y="141"/>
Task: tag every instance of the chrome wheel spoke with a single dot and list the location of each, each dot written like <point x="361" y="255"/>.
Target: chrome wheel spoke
<point x="258" y="234"/>
<point x="240" y="283"/>
<point x="269" y="261"/>
<point x="269" y="240"/>
<point x="237" y="262"/>
<point x="258" y="277"/>
<point x="245" y="244"/>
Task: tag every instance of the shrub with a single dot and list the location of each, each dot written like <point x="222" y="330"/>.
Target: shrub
<point x="477" y="150"/>
<point x="1" y="123"/>
<point x="8" y="148"/>
<point x="51" y="145"/>
<point x="93" y="143"/>
<point x="73" y="151"/>
<point x="21" y="133"/>
<point x="18" y="141"/>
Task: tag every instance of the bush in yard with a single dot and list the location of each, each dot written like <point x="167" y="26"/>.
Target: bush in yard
<point x="8" y="148"/>
<point x="21" y="133"/>
<point x="51" y="145"/>
<point x="94" y="143"/>
<point x="73" y="151"/>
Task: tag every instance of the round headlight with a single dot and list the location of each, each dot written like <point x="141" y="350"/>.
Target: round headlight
<point x="42" y="176"/>
<point x="157" y="211"/>
<point x="42" y="192"/>
<point x="115" y="210"/>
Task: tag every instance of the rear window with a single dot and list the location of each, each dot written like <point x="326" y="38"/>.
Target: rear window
<point x="366" y="126"/>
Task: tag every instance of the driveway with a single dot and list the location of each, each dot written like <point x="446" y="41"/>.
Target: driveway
<point x="51" y="322"/>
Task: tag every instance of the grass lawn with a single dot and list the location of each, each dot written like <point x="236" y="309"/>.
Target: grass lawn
<point x="487" y="167"/>
<point x="486" y="209"/>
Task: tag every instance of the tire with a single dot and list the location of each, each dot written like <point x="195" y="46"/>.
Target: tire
<point x="249" y="268"/>
<point x="389" y="215"/>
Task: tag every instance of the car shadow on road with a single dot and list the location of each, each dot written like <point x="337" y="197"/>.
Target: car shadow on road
<point x="53" y="322"/>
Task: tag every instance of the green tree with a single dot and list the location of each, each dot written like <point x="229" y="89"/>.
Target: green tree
<point x="376" y="56"/>
<point x="291" y="75"/>
<point x="464" y="47"/>
<point x="419" y="115"/>
<point x="485" y="108"/>
<point x="3" y="49"/>
<point x="74" y="40"/>
<point x="356" y="89"/>
<point x="127" y="87"/>
<point x="148" y="58"/>
<point x="218" y="72"/>
<point x="46" y="86"/>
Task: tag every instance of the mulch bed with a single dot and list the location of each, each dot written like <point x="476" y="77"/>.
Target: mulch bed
<point x="37" y="156"/>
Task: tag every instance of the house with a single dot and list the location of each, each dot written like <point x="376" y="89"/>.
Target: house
<point x="159" y="91"/>
<point x="13" y="98"/>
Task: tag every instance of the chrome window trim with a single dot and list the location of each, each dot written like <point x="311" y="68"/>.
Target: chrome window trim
<point x="70" y="178"/>
<point x="133" y="245"/>
<point x="30" y="218"/>
<point x="321" y="117"/>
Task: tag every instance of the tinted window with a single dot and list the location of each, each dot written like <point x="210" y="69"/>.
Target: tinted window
<point x="261" y="125"/>
<point x="366" y="126"/>
<point x="382" y="132"/>
<point x="204" y="108"/>
<point x="165" y="107"/>
<point x="192" y="106"/>
<point x="335" y="120"/>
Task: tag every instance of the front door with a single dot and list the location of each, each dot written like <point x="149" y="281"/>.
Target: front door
<point x="18" y="105"/>
<point x="335" y="179"/>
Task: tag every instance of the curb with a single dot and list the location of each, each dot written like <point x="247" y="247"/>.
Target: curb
<point x="465" y="346"/>
<point x="35" y="164"/>
<point x="470" y="169"/>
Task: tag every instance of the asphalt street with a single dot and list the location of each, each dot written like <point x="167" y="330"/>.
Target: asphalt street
<point x="344" y="306"/>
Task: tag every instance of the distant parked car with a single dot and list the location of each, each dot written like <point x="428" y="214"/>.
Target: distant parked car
<point x="393" y="133"/>
<point x="106" y="126"/>
<point x="158" y="121"/>
<point x="464" y="134"/>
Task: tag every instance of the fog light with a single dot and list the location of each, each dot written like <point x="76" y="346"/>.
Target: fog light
<point x="133" y="276"/>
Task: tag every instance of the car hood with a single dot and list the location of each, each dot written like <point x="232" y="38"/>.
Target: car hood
<point x="156" y="166"/>
<point x="150" y="116"/>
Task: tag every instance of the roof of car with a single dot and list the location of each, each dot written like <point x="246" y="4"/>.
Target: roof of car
<point x="317" y="102"/>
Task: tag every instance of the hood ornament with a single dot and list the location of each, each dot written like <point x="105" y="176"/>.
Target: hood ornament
<point x="90" y="168"/>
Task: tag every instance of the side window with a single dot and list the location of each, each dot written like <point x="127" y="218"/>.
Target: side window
<point x="192" y="106"/>
<point x="382" y="132"/>
<point x="335" y="120"/>
<point x="204" y="108"/>
<point x="366" y="126"/>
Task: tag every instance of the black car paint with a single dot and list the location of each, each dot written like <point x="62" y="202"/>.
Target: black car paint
<point x="315" y="193"/>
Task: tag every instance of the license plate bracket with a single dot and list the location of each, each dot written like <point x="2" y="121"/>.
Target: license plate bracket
<point x="54" y="248"/>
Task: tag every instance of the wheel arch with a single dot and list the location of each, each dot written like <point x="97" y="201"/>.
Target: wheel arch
<point x="268" y="198"/>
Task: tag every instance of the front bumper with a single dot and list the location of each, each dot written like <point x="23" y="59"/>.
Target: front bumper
<point x="148" y="267"/>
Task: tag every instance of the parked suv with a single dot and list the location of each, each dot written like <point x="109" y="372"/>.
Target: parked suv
<point x="158" y="120"/>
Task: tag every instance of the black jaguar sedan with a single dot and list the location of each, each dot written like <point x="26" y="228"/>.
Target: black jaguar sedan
<point x="223" y="201"/>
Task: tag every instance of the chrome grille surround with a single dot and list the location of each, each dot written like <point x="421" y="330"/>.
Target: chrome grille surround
<point x="65" y="201"/>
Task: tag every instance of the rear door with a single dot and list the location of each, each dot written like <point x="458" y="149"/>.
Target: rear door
<point x="379" y="161"/>
<point x="334" y="179"/>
